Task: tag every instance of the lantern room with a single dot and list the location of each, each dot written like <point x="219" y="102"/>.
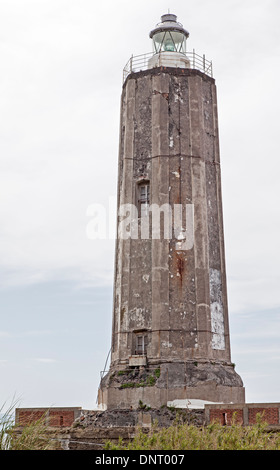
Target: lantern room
<point x="169" y="35"/>
<point x="169" y="43"/>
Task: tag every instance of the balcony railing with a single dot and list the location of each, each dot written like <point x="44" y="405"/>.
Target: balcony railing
<point x="140" y="62"/>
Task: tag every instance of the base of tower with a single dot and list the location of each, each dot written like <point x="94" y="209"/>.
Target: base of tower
<point x="168" y="382"/>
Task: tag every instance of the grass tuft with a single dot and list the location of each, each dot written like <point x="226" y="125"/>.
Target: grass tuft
<point x="211" y="437"/>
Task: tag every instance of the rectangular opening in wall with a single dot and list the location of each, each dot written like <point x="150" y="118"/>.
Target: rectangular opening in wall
<point x="141" y="341"/>
<point x="224" y="419"/>
<point x="143" y="198"/>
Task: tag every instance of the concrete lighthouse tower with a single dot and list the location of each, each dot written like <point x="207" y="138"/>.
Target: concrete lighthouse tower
<point x="170" y="333"/>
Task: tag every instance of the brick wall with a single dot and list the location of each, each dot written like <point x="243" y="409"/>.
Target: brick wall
<point x="61" y="417"/>
<point x="243" y="413"/>
<point x="270" y="415"/>
<point x="28" y="416"/>
<point x="227" y="416"/>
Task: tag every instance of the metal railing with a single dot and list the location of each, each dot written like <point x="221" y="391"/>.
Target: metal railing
<point x="141" y="62"/>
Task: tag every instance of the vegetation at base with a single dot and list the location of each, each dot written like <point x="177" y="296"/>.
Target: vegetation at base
<point x="33" y="436"/>
<point x="157" y="373"/>
<point x="143" y="406"/>
<point x="211" y="437"/>
<point x="138" y="378"/>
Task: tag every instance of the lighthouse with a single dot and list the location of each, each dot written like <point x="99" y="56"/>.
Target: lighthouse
<point x="170" y="328"/>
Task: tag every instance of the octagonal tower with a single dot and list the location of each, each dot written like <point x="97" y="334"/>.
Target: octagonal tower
<point x="170" y="334"/>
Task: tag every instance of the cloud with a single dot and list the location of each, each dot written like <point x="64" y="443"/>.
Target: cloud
<point x="4" y="334"/>
<point x="45" y="360"/>
<point x="259" y="350"/>
<point x="26" y="333"/>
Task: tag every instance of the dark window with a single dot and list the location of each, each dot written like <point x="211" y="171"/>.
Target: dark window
<point x="224" y="419"/>
<point x="143" y="199"/>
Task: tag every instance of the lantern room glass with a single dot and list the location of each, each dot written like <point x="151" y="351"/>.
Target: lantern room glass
<point x="169" y="41"/>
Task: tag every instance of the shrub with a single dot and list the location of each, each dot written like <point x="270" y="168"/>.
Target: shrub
<point x="211" y="437"/>
<point x="33" y="436"/>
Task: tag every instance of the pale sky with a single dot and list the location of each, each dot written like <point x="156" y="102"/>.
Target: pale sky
<point x="60" y="86"/>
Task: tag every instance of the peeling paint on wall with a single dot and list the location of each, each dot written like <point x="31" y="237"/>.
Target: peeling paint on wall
<point x="146" y="277"/>
<point x="166" y="344"/>
<point x="138" y="316"/>
<point x="217" y="311"/>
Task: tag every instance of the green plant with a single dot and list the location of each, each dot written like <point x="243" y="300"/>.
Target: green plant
<point x="143" y="406"/>
<point x="211" y="437"/>
<point x="151" y="380"/>
<point x="6" y="424"/>
<point x="157" y="373"/>
<point x="128" y="385"/>
<point x="171" y="408"/>
<point x="33" y="436"/>
<point x="145" y="381"/>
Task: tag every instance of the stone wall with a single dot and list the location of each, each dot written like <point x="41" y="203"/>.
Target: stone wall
<point x="92" y="429"/>
<point x="143" y="417"/>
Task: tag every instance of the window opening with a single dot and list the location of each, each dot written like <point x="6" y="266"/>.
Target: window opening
<point x="141" y="345"/>
<point x="144" y="199"/>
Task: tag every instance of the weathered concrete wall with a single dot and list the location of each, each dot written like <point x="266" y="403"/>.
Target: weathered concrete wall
<point x="179" y="380"/>
<point x="93" y="429"/>
<point x="142" y="417"/>
<point x="169" y="138"/>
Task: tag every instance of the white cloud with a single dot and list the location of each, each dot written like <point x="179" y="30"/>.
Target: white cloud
<point x="44" y="360"/>
<point x="4" y="334"/>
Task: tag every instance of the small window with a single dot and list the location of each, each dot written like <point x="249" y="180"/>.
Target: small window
<point x="143" y="199"/>
<point x="141" y="344"/>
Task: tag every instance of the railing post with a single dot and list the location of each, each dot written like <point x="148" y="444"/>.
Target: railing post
<point x="140" y="62"/>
